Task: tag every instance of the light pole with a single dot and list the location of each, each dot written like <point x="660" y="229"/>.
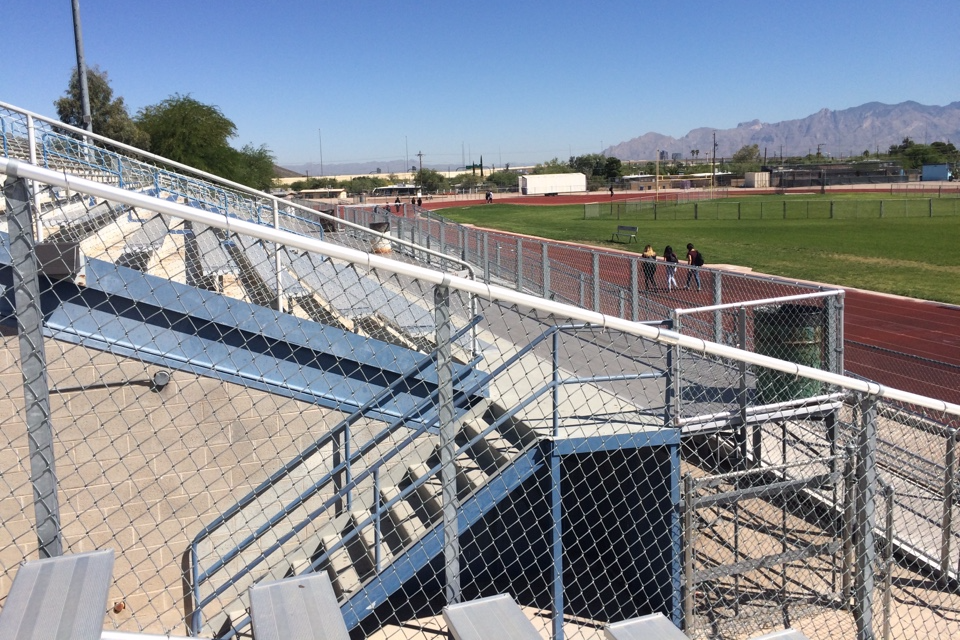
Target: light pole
<point x="420" y="173"/>
<point x="82" y="69"/>
<point x="320" y="133"/>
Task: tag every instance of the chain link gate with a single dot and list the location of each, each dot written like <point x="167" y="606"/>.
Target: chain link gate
<point x="759" y="551"/>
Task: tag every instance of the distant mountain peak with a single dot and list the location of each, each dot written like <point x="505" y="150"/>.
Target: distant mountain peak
<point x="870" y="126"/>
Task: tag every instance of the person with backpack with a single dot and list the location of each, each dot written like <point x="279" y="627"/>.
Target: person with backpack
<point x="671" y="259"/>
<point x="695" y="260"/>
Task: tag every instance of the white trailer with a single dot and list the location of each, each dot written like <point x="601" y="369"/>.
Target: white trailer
<point x="756" y="180"/>
<point x="551" y="184"/>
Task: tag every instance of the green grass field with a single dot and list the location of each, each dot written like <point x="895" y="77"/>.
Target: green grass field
<point x="910" y="254"/>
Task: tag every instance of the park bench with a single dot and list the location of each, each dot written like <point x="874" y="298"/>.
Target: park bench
<point x="623" y="231"/>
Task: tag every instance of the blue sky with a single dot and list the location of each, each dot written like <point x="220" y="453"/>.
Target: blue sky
<point x="517" y="82"/>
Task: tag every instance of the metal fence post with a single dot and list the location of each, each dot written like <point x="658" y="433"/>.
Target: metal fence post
<point x="866" y="551"/>
<point x="676" y="369"/>
<point x="556" y="509"/>
<point x="689" y="486"/>
<point x="849" y="505"/>
<point x="519" y="264"/>
<point x="949" y="497"/>
<point x="276" y="257"/>
<point x="33" y="366"/>
<point x="596" y="282"/>
<point x="545" y="268"/>
<point x="742" y="391"/>
<point x="448" y="434"/>
<point x="717" y="313"/>
<point x="634" y="290"/>
<point x="486" y="257"/>
<point x="887" y="559"/>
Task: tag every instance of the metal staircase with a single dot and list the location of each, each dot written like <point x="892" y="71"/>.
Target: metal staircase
<point x="379" y="522"/>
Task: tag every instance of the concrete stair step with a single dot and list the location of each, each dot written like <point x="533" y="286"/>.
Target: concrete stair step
<point x="427" y="496"/>
<point x="470" y="476"/>
<point x="368" y="537"/>
<point x="402" y="526"/>
<point x="491" y="452"/>
<point x="517" y="432"/>
<point x="340" y="567"/>
<point x="224" y="622"/>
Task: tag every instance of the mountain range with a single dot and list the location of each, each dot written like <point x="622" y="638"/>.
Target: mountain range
<point x="870" y="127"/>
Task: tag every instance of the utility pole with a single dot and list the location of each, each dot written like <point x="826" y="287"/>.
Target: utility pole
<point x="656" y="182"/>
<point x="713" y="163"/>
<point x="82" y="69"/>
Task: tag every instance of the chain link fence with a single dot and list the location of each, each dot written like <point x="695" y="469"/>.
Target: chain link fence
<point x="243" y="404"/>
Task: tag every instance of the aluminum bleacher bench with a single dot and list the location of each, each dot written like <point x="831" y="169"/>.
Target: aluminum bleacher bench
<point x="653" y="627"/>
<point x="297" y="609"/>
<point x="625" y="231"/>
<point x="784" y="634"/>
<point x="62" y="598"/>
<point x="491" y="618"/>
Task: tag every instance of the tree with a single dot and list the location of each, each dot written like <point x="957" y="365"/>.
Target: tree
<point x="551" y="166"/>
<point x="613" y="168"/>
<point x="748" y="154"/>
<point x="253" y="166"/>
<point x="195" y="134"/>
<point x="109" y="115"/>
<point x="504" y="179"/>
<point x="430" y="181"/>
<point x="190" y="132"/>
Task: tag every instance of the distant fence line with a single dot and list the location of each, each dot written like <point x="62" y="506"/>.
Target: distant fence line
<point x="786" y="209"/>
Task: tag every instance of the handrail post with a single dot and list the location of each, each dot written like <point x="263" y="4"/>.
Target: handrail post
<point x="849" y="499"/>
<point x="689" y="487"/>
<point x="34" y="187"/>
<point x="887" y="560"/>
<point x="33" y="367"/>
<point x="717" y="300"/>
<point x="949" y="497"/>
<point x="519" y="264"/>
<point x="556" y="383"/>
<point x="596" y="281"/>
<point x="545" y="269"/>
<point x="276" y="257"/>
<point x="866" y="551"/>
<point x="448" y="446"/>
<point x="742" y="391"/>
<point x="677" y="369"/>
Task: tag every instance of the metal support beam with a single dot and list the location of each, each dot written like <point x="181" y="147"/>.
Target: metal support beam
<point x="36" y="393"/>
<point x="556" y="507"/>
<point x="866" y="516"/>
<point x="448" y="446"/>
<point x="717" y="314"/>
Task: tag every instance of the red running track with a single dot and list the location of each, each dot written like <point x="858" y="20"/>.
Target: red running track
<point x="908" y="344"/>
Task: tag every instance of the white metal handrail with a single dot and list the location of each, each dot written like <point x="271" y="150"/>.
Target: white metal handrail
<point x="275" y="201"/>
<point x="486" y="291"/>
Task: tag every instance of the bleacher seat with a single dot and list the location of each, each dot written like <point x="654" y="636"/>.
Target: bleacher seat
<point x="655" y="626"/>
<point x="784" y="634"/>
<point x="301" y="608"/>
<point x="492" y="618"/>
<point x="62" y="598"/>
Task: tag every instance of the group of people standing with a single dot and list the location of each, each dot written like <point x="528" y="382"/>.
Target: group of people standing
<point x="694" y="259"/>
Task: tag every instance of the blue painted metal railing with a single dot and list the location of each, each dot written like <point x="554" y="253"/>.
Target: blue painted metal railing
<point x="381" y="509"/>
<point x="344" y="467"/>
